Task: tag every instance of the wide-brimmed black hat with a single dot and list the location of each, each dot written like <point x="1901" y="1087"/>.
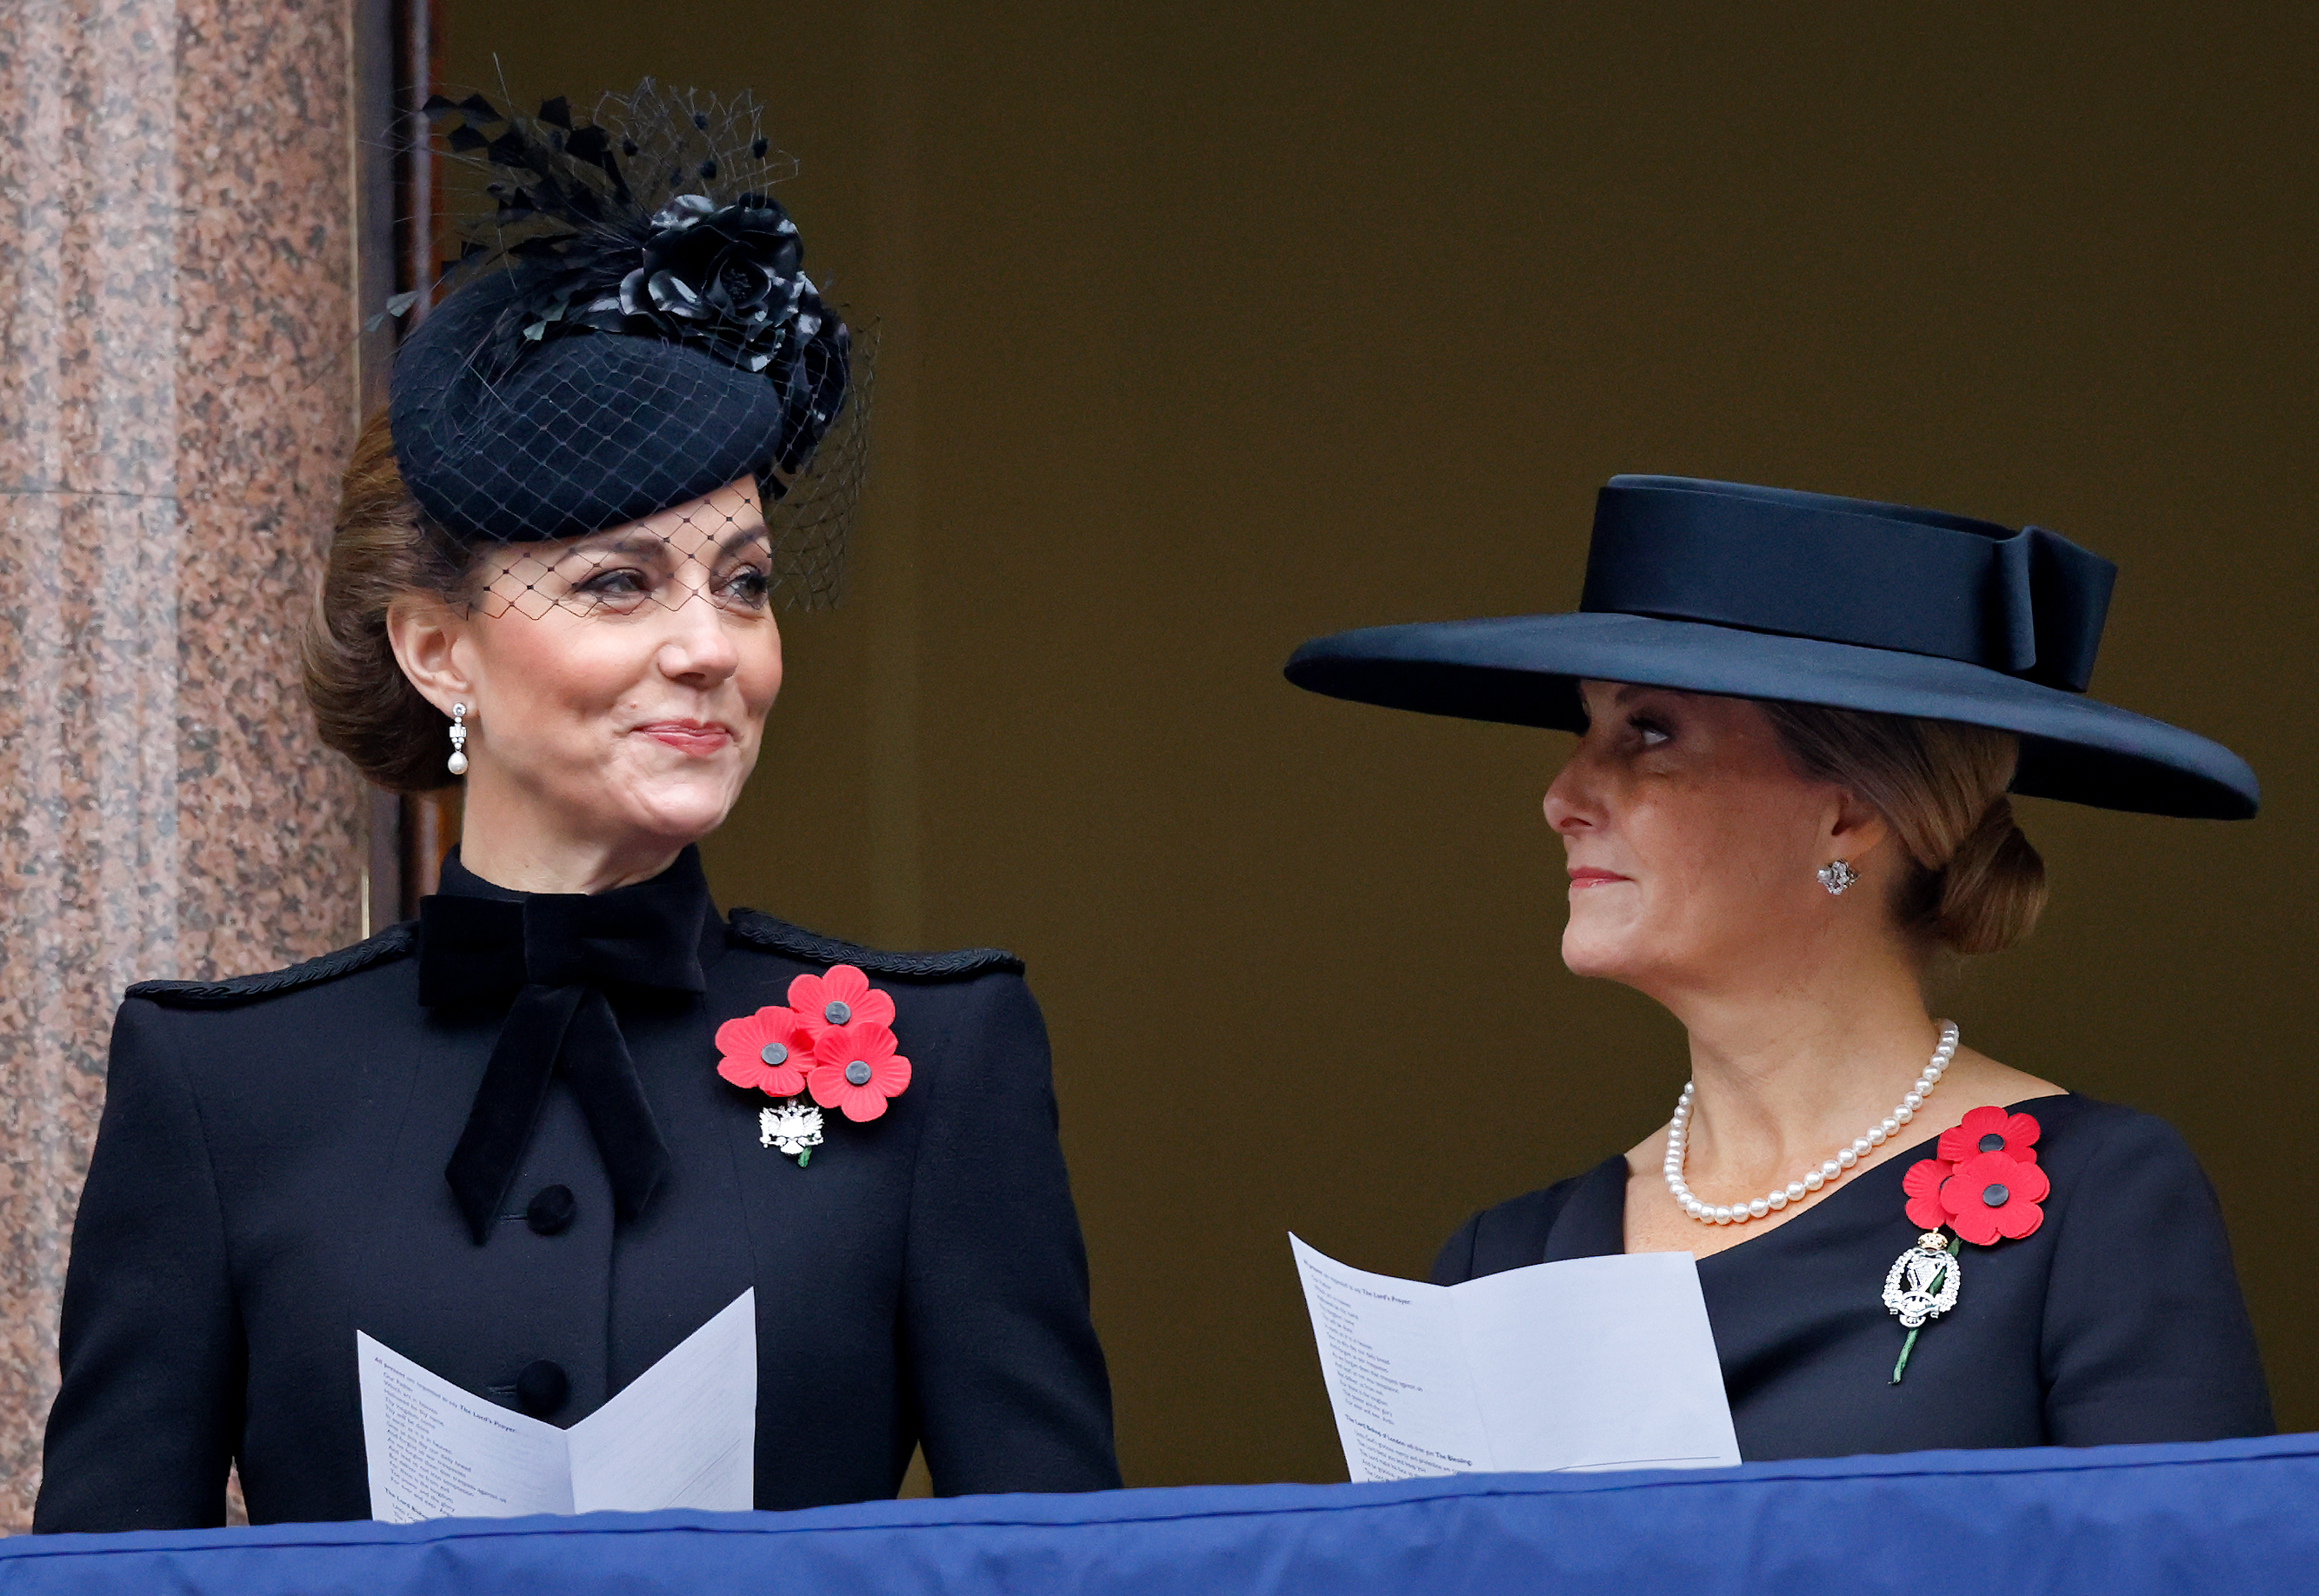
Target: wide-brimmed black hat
<point x="1764" y="593"/>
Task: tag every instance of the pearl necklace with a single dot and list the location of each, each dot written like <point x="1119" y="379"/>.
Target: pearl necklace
<point x="1739" y="1213"/>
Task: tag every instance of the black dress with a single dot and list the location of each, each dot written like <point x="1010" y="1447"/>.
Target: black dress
<point x="269" y="1176"/>
<point x="2118" y="1320"/>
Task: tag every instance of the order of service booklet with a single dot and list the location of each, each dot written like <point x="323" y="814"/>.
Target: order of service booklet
<point x="681" y="1435"/>
<point x="1592" y="1363"/>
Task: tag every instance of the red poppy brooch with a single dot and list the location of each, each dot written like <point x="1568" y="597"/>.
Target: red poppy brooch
<point x="834" y="1041"/>
<point x="1985" y="1186"/>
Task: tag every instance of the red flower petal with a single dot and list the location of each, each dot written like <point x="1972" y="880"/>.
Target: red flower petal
<point x="1975" y="1225"/>
<point x="861" y="1103"/>
<point x="1966" y="1198"/>
<point x="1962" y="1140"/>
<point x="2014" y="1132"/>
<point x="827" y="1082"/>
<point x="831" y="1089"/>
<point x="743" y="1035"/>
<point x="2017" y="1219"/>
<point x="843" y="1044"/>
<point x="808" y="996"/>
<point x="2032" y="1184"/>
<point x="743" y="1040"/>
<point x="812" y="997"/>
<point x="1923" y="1183"/>
<point x="864" y="1004"/>
<point x="839" y="1049"/>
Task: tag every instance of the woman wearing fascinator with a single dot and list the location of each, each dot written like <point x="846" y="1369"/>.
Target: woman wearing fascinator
<point x="535" y="1140"/>
<point x="1799" y="718"/>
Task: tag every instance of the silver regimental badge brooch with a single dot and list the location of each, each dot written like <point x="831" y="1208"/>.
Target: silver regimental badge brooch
<point x="1923" y="1281"/>
<point x="795" y="1128"/>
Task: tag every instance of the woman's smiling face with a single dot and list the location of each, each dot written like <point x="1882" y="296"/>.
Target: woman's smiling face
<point x="618" y="683"/>
<point x="1692" y="841"/>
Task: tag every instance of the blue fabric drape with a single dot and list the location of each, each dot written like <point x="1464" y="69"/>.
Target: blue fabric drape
<point x="2233" y="1515"/>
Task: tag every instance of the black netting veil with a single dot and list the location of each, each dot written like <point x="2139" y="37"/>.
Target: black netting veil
<point x="629" y="345"/>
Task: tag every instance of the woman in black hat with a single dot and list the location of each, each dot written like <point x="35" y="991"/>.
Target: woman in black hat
<point x="1799" y="717"/>
<point x="537" y="1138"/>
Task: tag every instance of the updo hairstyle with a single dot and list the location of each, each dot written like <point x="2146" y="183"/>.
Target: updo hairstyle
<point x="382" y="549"/>
<point x="1976" y="885"/>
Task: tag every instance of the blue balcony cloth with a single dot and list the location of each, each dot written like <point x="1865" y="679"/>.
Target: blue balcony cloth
<point x="2237" y="1515"/>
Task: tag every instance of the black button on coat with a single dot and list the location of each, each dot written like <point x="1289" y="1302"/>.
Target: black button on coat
<point x="551" y="1210"/>
<point x="268" y="1178"/>
<point x="2119" y="1320"/>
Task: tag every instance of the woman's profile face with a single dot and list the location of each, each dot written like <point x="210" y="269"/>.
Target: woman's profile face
<point x="1692" y="841"/>
<point x="621" y="680"/>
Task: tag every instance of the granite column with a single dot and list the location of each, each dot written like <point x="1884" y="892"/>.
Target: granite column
<point x="178" y="315"/>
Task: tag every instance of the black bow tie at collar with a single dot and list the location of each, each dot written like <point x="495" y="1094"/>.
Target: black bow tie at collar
<point x="554" y="954"/>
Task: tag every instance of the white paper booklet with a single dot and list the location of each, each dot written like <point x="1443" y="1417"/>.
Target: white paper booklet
<point x="683" y="1435"/>
<point x="1595" y="1363"/>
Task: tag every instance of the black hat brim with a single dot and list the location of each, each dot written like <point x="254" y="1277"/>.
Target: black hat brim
<point x="1524" y="670"/>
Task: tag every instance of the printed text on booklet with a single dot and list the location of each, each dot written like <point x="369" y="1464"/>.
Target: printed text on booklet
<point x="682" y="1434"/>
<point x="1594" y="1363"/>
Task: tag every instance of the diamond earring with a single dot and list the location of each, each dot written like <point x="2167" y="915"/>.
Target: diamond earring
<point x="1836" y="875"/>
<point x="458" y="761"/>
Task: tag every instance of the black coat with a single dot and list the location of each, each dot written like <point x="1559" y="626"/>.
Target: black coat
<point x="268" y="1178"/>
<point x="2118" y="1320"/>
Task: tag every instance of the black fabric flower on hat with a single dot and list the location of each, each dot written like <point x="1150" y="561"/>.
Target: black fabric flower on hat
<point x="728" y="279"/>
<point x="727" y="273"/>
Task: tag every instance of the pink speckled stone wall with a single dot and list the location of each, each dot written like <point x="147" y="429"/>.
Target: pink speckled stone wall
<point x="177" y="328"/>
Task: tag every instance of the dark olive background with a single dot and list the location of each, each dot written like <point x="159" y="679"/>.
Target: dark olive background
<point x="1208" y="328"/>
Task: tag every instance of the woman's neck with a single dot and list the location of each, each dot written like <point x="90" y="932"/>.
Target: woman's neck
<point x="511" y="845"/>
<point x="1787" y="1070"/>
<point x="1783" y="1086"/>
<point x="1790" y="1067"/>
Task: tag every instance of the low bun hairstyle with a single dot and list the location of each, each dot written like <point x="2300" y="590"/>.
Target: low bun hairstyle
<point x="382" y="549"/>
<point x="1977" y="884"/>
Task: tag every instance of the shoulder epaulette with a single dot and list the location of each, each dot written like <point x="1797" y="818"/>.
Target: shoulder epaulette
<point x="765" y="931"/>
<point x="396" y="942"/>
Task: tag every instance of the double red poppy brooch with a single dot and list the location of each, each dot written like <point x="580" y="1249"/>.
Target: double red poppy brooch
<point x="834" y="1041"/>
<point x="1985" y="1186"/>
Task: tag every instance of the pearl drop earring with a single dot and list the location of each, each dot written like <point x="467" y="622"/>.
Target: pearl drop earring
<point x="1836" y="875"/>
<point x="458" y="760"/>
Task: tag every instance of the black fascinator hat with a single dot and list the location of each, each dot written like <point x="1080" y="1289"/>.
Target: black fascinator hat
<point x="630" y="328"/>
<point x="1762" y="593"/>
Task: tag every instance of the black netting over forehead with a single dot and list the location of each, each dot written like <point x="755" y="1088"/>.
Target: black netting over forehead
<point x="631" y="329"/>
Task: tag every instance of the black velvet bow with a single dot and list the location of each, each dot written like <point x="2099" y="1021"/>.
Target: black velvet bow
<point x="555" y="953"/>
